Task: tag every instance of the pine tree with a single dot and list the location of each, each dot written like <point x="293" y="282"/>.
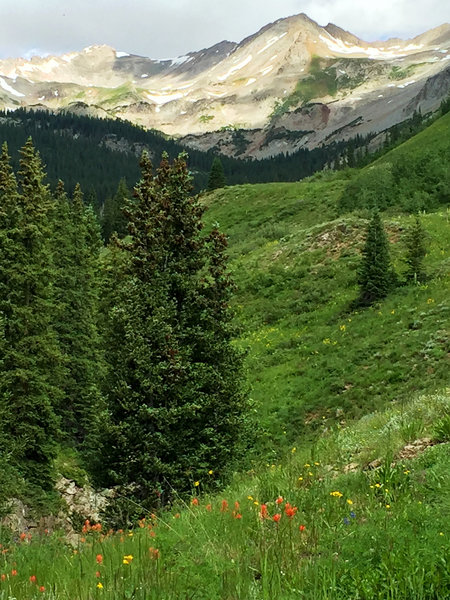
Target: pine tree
<point x="415" y="252"/>
<point x="113" y="220"/>
<point x="375" y="276"/>
<point x="216" y="176"/>
<point x="31" y="362"/>
<point x="174" y="382"/>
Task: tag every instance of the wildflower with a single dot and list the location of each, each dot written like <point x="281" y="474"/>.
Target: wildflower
<point x="306" y="465"/>
<point x="336" y="494"/>
<point x="346" y="521"/>
<point x="130" y="534"/>
<point x="3" y="577"/>
<point x="33" y="579"/>
<point x="441" y="533"/>
<point x="256" y="503"/>
<point x="353" y="515"/>
<point x="310" y="474"/>
<point x="317" y="464"/>
<point x="378" y="485"/>
<point x="154" y="553"/>
<point x="177" y="515"/>
<point x="249" y="497"/>
<point x="97" y="574"/>
<point x="224" y="506"/>
<point x="42" y="589"/>
<point x="194" y="501"/>
<point x="99" y="559"/>
<point x="279" y="500"/>
<point x="300" y="478"/>
<point x="263" y="512"/>
<point x="342" y="327"/>
<point x="302" y="528"/>
<point x="129" y="557"/>
<point x="210" y="472"/>
<point x="13" y="572"/>
<point x="208" y="507"/>
<point x="23" y="537"/>
<point x="349" y="501"/>
<point x="294" y="449"/>
<point x="277" y="517"/>
<point x="388" y="506"/>
<point x="406" y="472"/>
<point x="238" y="516"/>
<point x="196" y="483"/>
<point x="100" y="585"/>
<point x="290" y="510"/>
<point x="125" y="561"/>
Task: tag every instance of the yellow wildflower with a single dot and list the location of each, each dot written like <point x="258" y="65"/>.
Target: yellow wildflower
<point x="196" y="483"/>
<point x="100" y="585"/>
<point x="349" y="501"/>
<point x="336" y="494"/>
<point x="210" y="472"/>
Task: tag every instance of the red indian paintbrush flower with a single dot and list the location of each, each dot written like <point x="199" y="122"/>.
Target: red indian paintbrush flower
<point x="277" y="517"/>
<point x="263" y="512"/>
<point x="279" y="500"/>
<point x="99" y="559"/>
<point x="33" y="578"/>
<point x="224" y="506"/>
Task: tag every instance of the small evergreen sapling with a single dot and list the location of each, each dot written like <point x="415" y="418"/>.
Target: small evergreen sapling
<point x="415" y="252"/>
<point x="375" y="276"/>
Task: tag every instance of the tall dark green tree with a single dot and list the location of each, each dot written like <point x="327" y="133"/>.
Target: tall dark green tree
<point x="375" y="275"/>
<point x="415" y="252"/>
<point x="216" y="176"/>
<point x="113" y="220"/>
<point x="31" y="359"/>
<point x="174" y="385"/>
<point x="76" y="247"/>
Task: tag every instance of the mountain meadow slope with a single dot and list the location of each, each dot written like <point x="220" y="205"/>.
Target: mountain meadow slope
<point x="344" y="493"/>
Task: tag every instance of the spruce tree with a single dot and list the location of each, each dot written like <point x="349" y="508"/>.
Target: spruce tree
<point x="113" y="220"/>
<point x="415" y="252"/>
<point x="76" y="253"/>
<point x="375" y="275"/>
<point x="175" y="379"/>
<point x="216" y="176"/>
<point x="31" y="366"/>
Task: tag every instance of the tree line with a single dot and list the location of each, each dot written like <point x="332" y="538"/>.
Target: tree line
<point x="124" y="352"/>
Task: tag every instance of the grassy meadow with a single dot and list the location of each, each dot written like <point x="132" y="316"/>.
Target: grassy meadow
<point x="345" y="494"/>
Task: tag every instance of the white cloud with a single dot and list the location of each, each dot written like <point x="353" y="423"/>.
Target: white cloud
<point x="175" y="27"/>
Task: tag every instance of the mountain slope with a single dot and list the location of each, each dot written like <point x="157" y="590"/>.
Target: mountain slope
<point x="310" y="356"/>
<point x="309" y="83"/>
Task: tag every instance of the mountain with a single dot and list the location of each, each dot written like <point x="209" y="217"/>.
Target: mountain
<point x="292" y="84"/>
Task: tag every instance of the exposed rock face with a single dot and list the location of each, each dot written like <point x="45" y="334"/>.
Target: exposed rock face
<point x="308" y="84"/>
<point x="80" y="503"/>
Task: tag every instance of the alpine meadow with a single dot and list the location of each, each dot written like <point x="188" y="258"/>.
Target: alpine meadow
<point x="224" y="342"/>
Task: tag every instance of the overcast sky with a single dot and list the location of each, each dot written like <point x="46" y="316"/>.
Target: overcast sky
<point x="169" y="28"/>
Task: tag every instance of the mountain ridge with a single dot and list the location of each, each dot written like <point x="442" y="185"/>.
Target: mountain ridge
<point x="271" y="79"/>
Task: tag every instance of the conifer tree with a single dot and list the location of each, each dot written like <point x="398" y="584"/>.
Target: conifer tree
<point x="375" y="276"/>
<point x="415" y="252"/>
<point x="174" y="383"/>
<point x="76" y="251"/>
<point x="113" y="220"/>
<point x="31" y="362"/>
<point x="216" y="176"/>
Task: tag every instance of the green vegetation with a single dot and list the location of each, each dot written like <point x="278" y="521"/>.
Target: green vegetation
<point x="216" y="175"/>
<point x="398" y="73"/>
<point x="375" y="277"/>
<point x="324" y="505"/>
<point x="320" y="524"/>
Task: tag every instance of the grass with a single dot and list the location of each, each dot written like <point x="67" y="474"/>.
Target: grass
<point x="305" y="527"/>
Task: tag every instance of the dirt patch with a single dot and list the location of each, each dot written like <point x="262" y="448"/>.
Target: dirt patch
<point x="415" y="448"/>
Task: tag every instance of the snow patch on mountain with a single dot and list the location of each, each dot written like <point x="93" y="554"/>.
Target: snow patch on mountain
<point x="233" y="70"/>
<point x="10" y="89"/>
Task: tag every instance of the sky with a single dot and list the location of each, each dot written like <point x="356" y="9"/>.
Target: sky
<point x="170" y="28"/>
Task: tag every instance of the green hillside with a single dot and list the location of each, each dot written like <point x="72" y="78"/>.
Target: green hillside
<point x="344" y="490"/>
<point x="294" y="258"/>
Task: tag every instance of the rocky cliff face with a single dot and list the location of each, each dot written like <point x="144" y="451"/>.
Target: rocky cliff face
<point x="292" y="84"/>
